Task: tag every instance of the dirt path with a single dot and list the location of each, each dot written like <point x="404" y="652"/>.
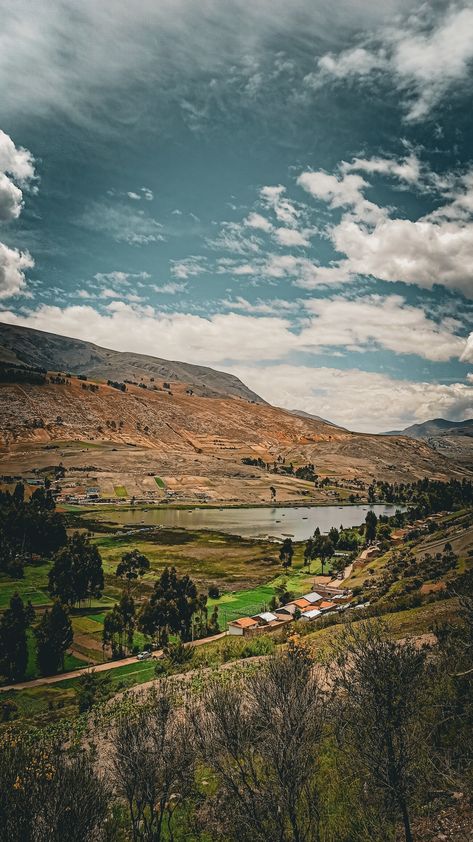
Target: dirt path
<point x="108" y="665"/>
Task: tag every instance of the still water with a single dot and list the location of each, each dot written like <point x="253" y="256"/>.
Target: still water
<point x="298" y="522"/>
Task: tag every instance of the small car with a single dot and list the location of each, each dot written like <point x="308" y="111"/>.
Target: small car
<point x="143" y="656"/>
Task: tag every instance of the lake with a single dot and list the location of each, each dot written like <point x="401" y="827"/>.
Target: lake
<point x="297" y="522"/>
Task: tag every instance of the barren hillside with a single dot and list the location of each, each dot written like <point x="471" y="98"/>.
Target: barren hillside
<point x="62" y="353"/>
<point x="193" y="444"/>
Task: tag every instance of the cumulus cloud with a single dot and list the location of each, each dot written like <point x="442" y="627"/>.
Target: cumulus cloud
<point x="434" y="249"/>
<point x="358" y="400"/>
<point x="13" y="265"/>
<point x="256" y="220"/>
<point x="387" y="322"/>
<point x="424" y="58"/>
<point x="362" y="324"/>
<point x="16" y="171"/>
<point x="291" y="237"/>
<point x="341" y="191"/>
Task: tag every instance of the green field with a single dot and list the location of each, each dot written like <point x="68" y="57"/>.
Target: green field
<point x="159" y="482"/>
<point x="120" y="491"/>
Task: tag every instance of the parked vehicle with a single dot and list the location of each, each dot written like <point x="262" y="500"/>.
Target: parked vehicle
<point x="143" y="656"/>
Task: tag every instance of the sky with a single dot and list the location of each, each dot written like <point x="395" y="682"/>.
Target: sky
<point x="282" y="189"/>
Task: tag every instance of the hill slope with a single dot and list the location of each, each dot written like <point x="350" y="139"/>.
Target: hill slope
<point x="454" y="439"/>
<point x="59" y="353"/>
<point x="121" y="442"/>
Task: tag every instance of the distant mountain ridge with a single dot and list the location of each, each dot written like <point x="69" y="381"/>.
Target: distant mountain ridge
<point x="453" y="439"/>
<point x="435" y="427"/>
<point x="48" y="350"/>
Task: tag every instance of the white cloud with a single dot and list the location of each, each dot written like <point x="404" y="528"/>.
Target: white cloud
<point x="11" y="199"/>
<point x="407" y="169"/>
<point x="384" y="322"/>
<point x="13" y="264"/>
<point x="435" y="249"/>
<point x="123" y="223"/>
<point x="285" y="210"/>
<point x="16" y="171"/>
<point x="341" y="191"/>
<point x="145" y="193"/>
<point x="16" y="161"/>
<point x="424" y="59"/>
<point x="422" y="252"/>
<point x="358" y="400"/>
<point x="188" y="268"/>
<point x="256" y="220"/>
<point x="171" y="288"/>
<point x="121" y="278"/>
<point x="291" y="237"/>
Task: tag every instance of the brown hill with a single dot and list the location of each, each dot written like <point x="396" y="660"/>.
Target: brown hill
<point x="121" y="441"/>
<point x="62" y="353"/>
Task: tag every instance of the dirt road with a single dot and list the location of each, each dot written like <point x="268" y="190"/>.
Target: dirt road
<point x="108" y="665"/>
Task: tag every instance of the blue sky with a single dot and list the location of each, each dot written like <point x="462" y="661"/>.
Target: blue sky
<point x="279" y="189"/>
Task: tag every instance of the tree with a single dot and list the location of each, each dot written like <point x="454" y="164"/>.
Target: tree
<point x="322" y="548"/>
<point x="286" y="553"/>
<point x="53" y="636"/>
<point x="13" y="641"/>
<point x="171" y="607"/>
<point x="132" y="566"/>
<point x="378" y="687"/>
<point x="49" y="793"/>
<point x="273" y="493"/>
<point x="77" y="572"/>
<point x="371" y="522"/>
<point x="308" y="552"/>
<point x="113" y="630"/>
<point x="126" y="607"/>
<point x="92" y="688"/>
<point x="152" y="765"/>
<point x="333" y="535"/>
<point x="254" y="740"/>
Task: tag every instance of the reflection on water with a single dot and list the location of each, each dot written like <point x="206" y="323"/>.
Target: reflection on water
<point x="297" y="522"/>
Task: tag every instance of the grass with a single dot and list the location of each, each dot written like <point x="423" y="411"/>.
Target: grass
<point x="159" y="482"/>
<point x="120" y="491"/>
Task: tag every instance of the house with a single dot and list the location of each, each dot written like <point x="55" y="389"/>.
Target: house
<point x="312" y="597"/>
<point x="243" y="625"/>
<point x="302" y="603"/>
<point x="325" y="606"/>
<point x="266" y="618"/>
<point x="311" y="614"/>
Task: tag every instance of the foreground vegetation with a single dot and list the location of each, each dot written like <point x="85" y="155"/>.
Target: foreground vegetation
<point x="355" y="744"/>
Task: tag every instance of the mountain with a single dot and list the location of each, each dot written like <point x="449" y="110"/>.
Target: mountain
<point x="60" y="353"/>
<point x="453" y="439"/>
<point x="179" y="431"/>
<point x="436" y="427"/>
<point x="302" y="414"/>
